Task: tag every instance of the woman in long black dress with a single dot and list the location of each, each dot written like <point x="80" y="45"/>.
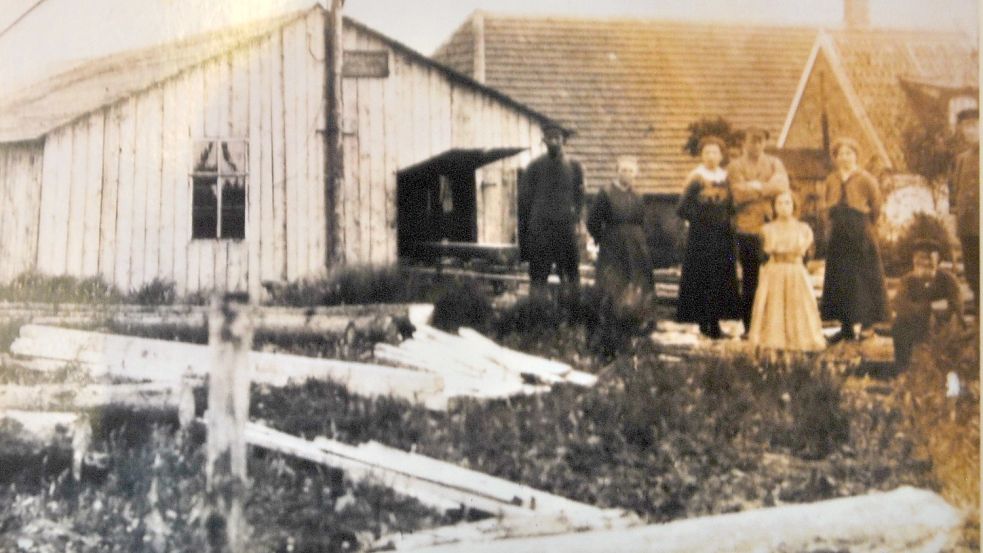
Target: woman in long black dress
<point x="853" y="286"/>
<point x="624" y="263"/>
<point x="708" y="286"/>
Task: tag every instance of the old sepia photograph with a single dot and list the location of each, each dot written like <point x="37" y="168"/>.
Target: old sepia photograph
<point x="492" y="276"/>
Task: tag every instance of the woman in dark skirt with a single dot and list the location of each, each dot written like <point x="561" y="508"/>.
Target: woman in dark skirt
<point x="624" y="265"/>
<point x="853" y="287"/>
<point x="708" y="286"/>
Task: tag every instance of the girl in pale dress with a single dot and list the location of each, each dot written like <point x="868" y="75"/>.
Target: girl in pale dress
<point x="785" y="316"/>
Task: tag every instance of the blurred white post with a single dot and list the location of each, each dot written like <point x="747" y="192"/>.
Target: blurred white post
<point x="230" y="338"/>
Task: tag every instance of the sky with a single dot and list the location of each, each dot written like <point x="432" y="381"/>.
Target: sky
<point x="58" y="33"/>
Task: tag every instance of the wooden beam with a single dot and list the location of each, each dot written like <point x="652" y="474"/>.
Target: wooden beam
<point x="72" y="397"/>
<point x="165" y="361"/>
<point x="435" y="483"/>
<point x="903" y="520"/>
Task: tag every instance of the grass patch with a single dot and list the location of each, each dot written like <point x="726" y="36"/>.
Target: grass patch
<point x="949" y="428"/>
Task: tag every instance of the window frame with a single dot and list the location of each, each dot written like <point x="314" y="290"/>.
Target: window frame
<point x="219" y="175"/>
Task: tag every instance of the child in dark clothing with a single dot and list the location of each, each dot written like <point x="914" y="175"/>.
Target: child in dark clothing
<point x="927" y="296"/>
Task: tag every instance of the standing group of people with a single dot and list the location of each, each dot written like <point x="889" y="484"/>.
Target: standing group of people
<point x="744" y="215"/>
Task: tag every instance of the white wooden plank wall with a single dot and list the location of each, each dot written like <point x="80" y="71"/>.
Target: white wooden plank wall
<point x="116" y="198"/>
<point x="20" y="187"/>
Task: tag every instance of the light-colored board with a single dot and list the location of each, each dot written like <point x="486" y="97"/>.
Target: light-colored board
<point x="152" y="214"/>
<point x="110" y="188"/>
<point x="350" y="229"/>
<point x="216" y="121"/>
<point x="902" y="520"/>
<point x="125" y="191"/>
<point x="379" y="228"/>
<point x="8" y="164"/>
<point x="147" y="120"/>
<point x="391" y="130"/>
<point x="78" y="169"/>
<point x="279" y="138"/>
<point x="254" y="181"/>
<point x="62" y="201"/>
<point x="364" y="214"/>
<point x="266" y="235"/>
<point x="292" y="90"/>
<point x="49" y="169"/>
<point x="238" y="250"/>
<point x="93" y="194"/>
<point x="171" y="131"/>
<point x="196" y="131"/>
<point x="183" y="118"/>
<point x="316" y="115"/>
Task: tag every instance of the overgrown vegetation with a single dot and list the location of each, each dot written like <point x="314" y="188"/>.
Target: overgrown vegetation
<point x="948" y="427"/>
<point x="37" y="287"/>
<point x="666" y="440"/>
<point x="150" y="498"/>
<point x="353" y="285"/>
<point x="462" y="303"/>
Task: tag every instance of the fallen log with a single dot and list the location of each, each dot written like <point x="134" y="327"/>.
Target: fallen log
<point x="165" y="361"/>
<point x="903" y="520"/>
<point x="72" y="397"/>
<point x="37" y="430"/>
<point x="433" y="482"/>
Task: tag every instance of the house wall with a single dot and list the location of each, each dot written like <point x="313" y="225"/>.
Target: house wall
<point x="413" y="114"/>
<point x="822" y="89"/>
<point x="115" y="195"/>
<point x="20" y="199"/>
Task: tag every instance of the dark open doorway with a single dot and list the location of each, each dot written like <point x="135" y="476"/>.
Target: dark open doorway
<point x="437" y="202"/>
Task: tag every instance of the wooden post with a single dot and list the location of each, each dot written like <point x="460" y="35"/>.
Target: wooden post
<point x="230" y="338"/>
<point x="334" y="160"/>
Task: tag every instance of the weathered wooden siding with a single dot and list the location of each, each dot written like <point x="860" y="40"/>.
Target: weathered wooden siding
<point x="823" y="91"/>
<point x="114" y="197"/>
<point x="20" y="202"/>
<point x="414" y="114"/>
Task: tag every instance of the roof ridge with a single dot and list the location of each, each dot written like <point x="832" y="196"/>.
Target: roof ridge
<point x="495" y="14"/>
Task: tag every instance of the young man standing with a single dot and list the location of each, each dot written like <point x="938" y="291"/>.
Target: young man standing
<point x="551" y="198"/>
<point x="965" y="196"/>
<point x="756" y="178"/>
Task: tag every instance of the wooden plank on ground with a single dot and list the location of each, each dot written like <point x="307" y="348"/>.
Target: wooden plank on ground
<point x="72" y="397"/>
<point x="903" y="520"/>
<point x="166" y="361"/>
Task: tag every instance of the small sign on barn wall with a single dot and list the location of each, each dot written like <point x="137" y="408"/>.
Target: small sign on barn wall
<point x="365" y="64"/>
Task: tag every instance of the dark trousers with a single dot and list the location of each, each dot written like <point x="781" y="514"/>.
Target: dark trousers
<point x="567" y="260"/>
<point x="971" y="264"/>
<point x="749" y="253"/>
<point x="906" y="332"/>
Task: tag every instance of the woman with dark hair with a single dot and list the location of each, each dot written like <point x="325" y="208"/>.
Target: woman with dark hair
<point x="624" y="266"/>
<point x="853" y="287"/>
<point x="708" y="286"/>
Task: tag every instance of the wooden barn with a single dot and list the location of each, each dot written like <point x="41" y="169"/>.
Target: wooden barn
<point x="215" y="162"/>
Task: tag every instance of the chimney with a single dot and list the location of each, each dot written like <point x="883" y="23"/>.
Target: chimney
<point x="856" y="14"/>
<point x="478" y="30"/>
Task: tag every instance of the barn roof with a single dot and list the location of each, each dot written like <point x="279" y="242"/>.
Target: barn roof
<point x="871" y="66"/>
<point x="631" y="86"/>
<point x="46" y="105"/>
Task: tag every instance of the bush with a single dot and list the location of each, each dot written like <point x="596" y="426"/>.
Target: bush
<point x="155" y="292"/>
<point x="896" y="255"/>
<point x="462" y="303"/>
<point x="351" y="286"/>
<point x="37" y="287"/>
<point x="532" y="317"/>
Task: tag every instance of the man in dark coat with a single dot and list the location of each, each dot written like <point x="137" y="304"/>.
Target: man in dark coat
<point x="964" y="185"/>
<point x="926" y="295"/>
<point x="551" y="197"/>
